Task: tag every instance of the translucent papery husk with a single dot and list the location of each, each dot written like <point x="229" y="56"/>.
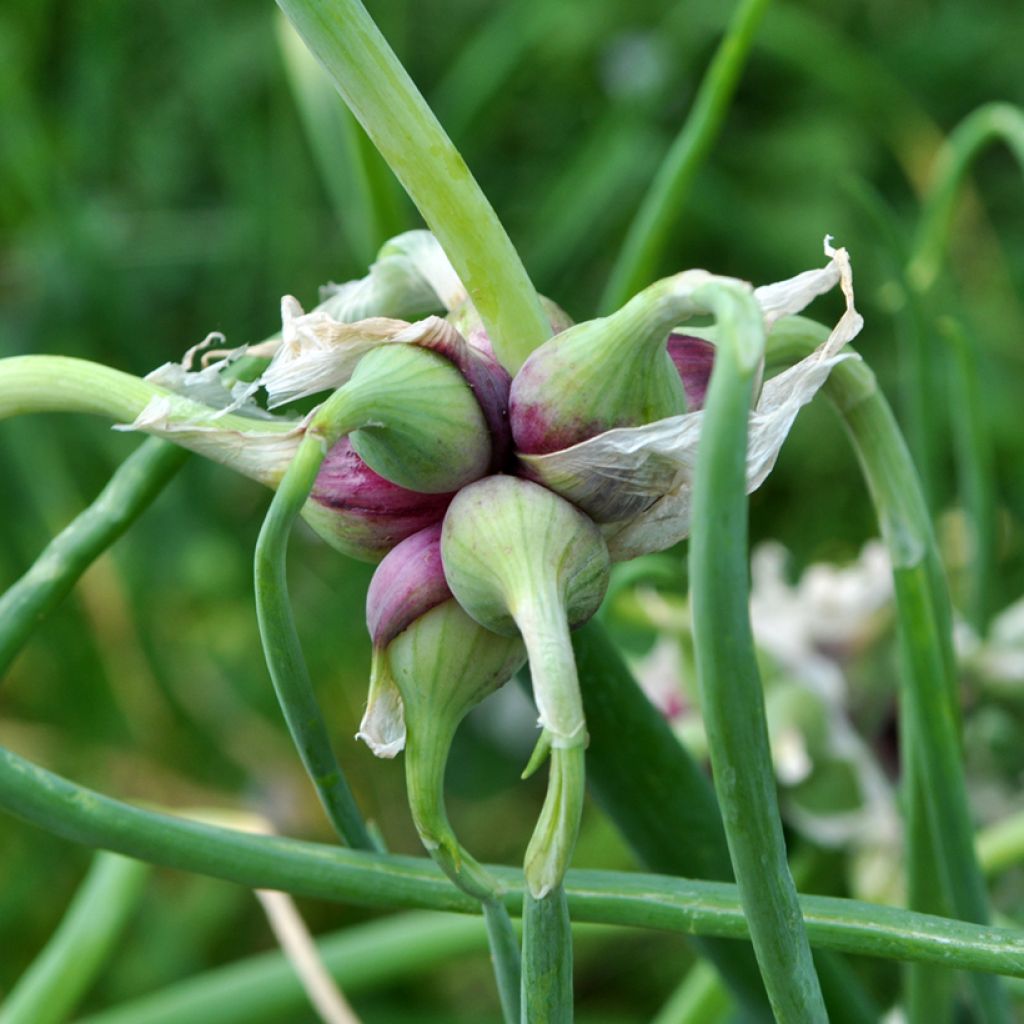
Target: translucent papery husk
<point x="319" y="353"/>
<point x="261" y="453"/>
<point x="410" y="277"/>
<point x="406" y="585"/>
<point x="637" y="481"/>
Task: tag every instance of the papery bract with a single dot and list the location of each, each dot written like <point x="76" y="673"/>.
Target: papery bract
<point x="637" y="480"/>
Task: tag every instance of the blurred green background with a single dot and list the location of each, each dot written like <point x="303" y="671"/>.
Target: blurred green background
<point x="156" y="184"/>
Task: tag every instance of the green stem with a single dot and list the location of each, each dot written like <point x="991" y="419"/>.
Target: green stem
<point x="131" y="489"/>
<point x="645" y="241"/>
<point x="547" y="935"/>
<point x="731" y="693"/>
<point x="547" y="959"/>
<point x="360" y="186"/>
<point x="655" y="792"/>
<point x="278" y="634"/>
<point x="321" y="871"/>
<point x="424" y="779"/>
<point x="83" y="942"/>
<point x="384" y="99"/>
<point x="31" y="384"/>
<point x="928" y="990"/>
<point x="929" y="697"/>
<point x="265" y="990"/>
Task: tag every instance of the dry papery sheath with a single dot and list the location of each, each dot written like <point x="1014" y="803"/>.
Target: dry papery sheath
<point x="637" y="481"/>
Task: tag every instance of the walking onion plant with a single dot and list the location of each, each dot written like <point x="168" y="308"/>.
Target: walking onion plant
<point x="503" y="465"/>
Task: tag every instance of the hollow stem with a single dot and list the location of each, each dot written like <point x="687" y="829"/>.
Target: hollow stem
<point x="365" y="878"/>
<point x="51" y="988"/>
<point x="928" y="697"/>
<point x="547" y="935"/>
<point x="929" y="694"/>
<point x="386" y="102"/>
<point x="31" y="384"/>
<point x="547" y="996"/>
<point x="426" y="756"/>
<point x="278" y="633"/>
<point x="731" y="693"/>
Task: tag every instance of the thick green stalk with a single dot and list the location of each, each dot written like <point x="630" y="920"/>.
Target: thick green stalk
<point x="731" y="693"/>
<point x="638" y="258"/>
<point x="31" y="384"/>
<point x="929" y="699"/>
<point x="929" y="693"/>
<point x="654" y="791"/>
<point x="424" y="780"/>
<point x="131" y="489"/>
<point x="280" y="639"/>
<point x="264" y="989"/>
<point x="321" y="871"/>
<point x="58" y="978"/>
<point x="361" y="188"/>
<point x="547" y="959"/>
<point x="386" y="102"/>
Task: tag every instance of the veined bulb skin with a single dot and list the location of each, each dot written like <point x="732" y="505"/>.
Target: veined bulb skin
<point x="431" y="662"/>
<point x="407" y="584"/>
<point x="416" y="421"/>
<point x="592" y="378"/>
<point x="361" y="514"/>
<point x="507" y="542"/>
<point x="693" y="359"/>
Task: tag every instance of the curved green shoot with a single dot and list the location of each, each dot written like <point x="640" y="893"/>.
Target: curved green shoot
<point x="380" y="880"/>
<point x="129" y="492"/>
<point x="386" y="102"/>
<point x="280" y="638"/>
<point x="731" y="694"/>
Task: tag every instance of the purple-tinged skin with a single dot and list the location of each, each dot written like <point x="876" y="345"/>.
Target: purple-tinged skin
<point x="540" y="429"/>
<point x="407" y="584"/>
<point x="694" y="359"/>
<point x="490" y="382"/>
<point x="365" y="513"/>
<point x="488" y="378"/>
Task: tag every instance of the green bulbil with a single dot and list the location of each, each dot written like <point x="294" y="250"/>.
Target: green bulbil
<point x="418" y="423"/>
<point x="522" y="560"/>
<point x="606" y="373"/>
